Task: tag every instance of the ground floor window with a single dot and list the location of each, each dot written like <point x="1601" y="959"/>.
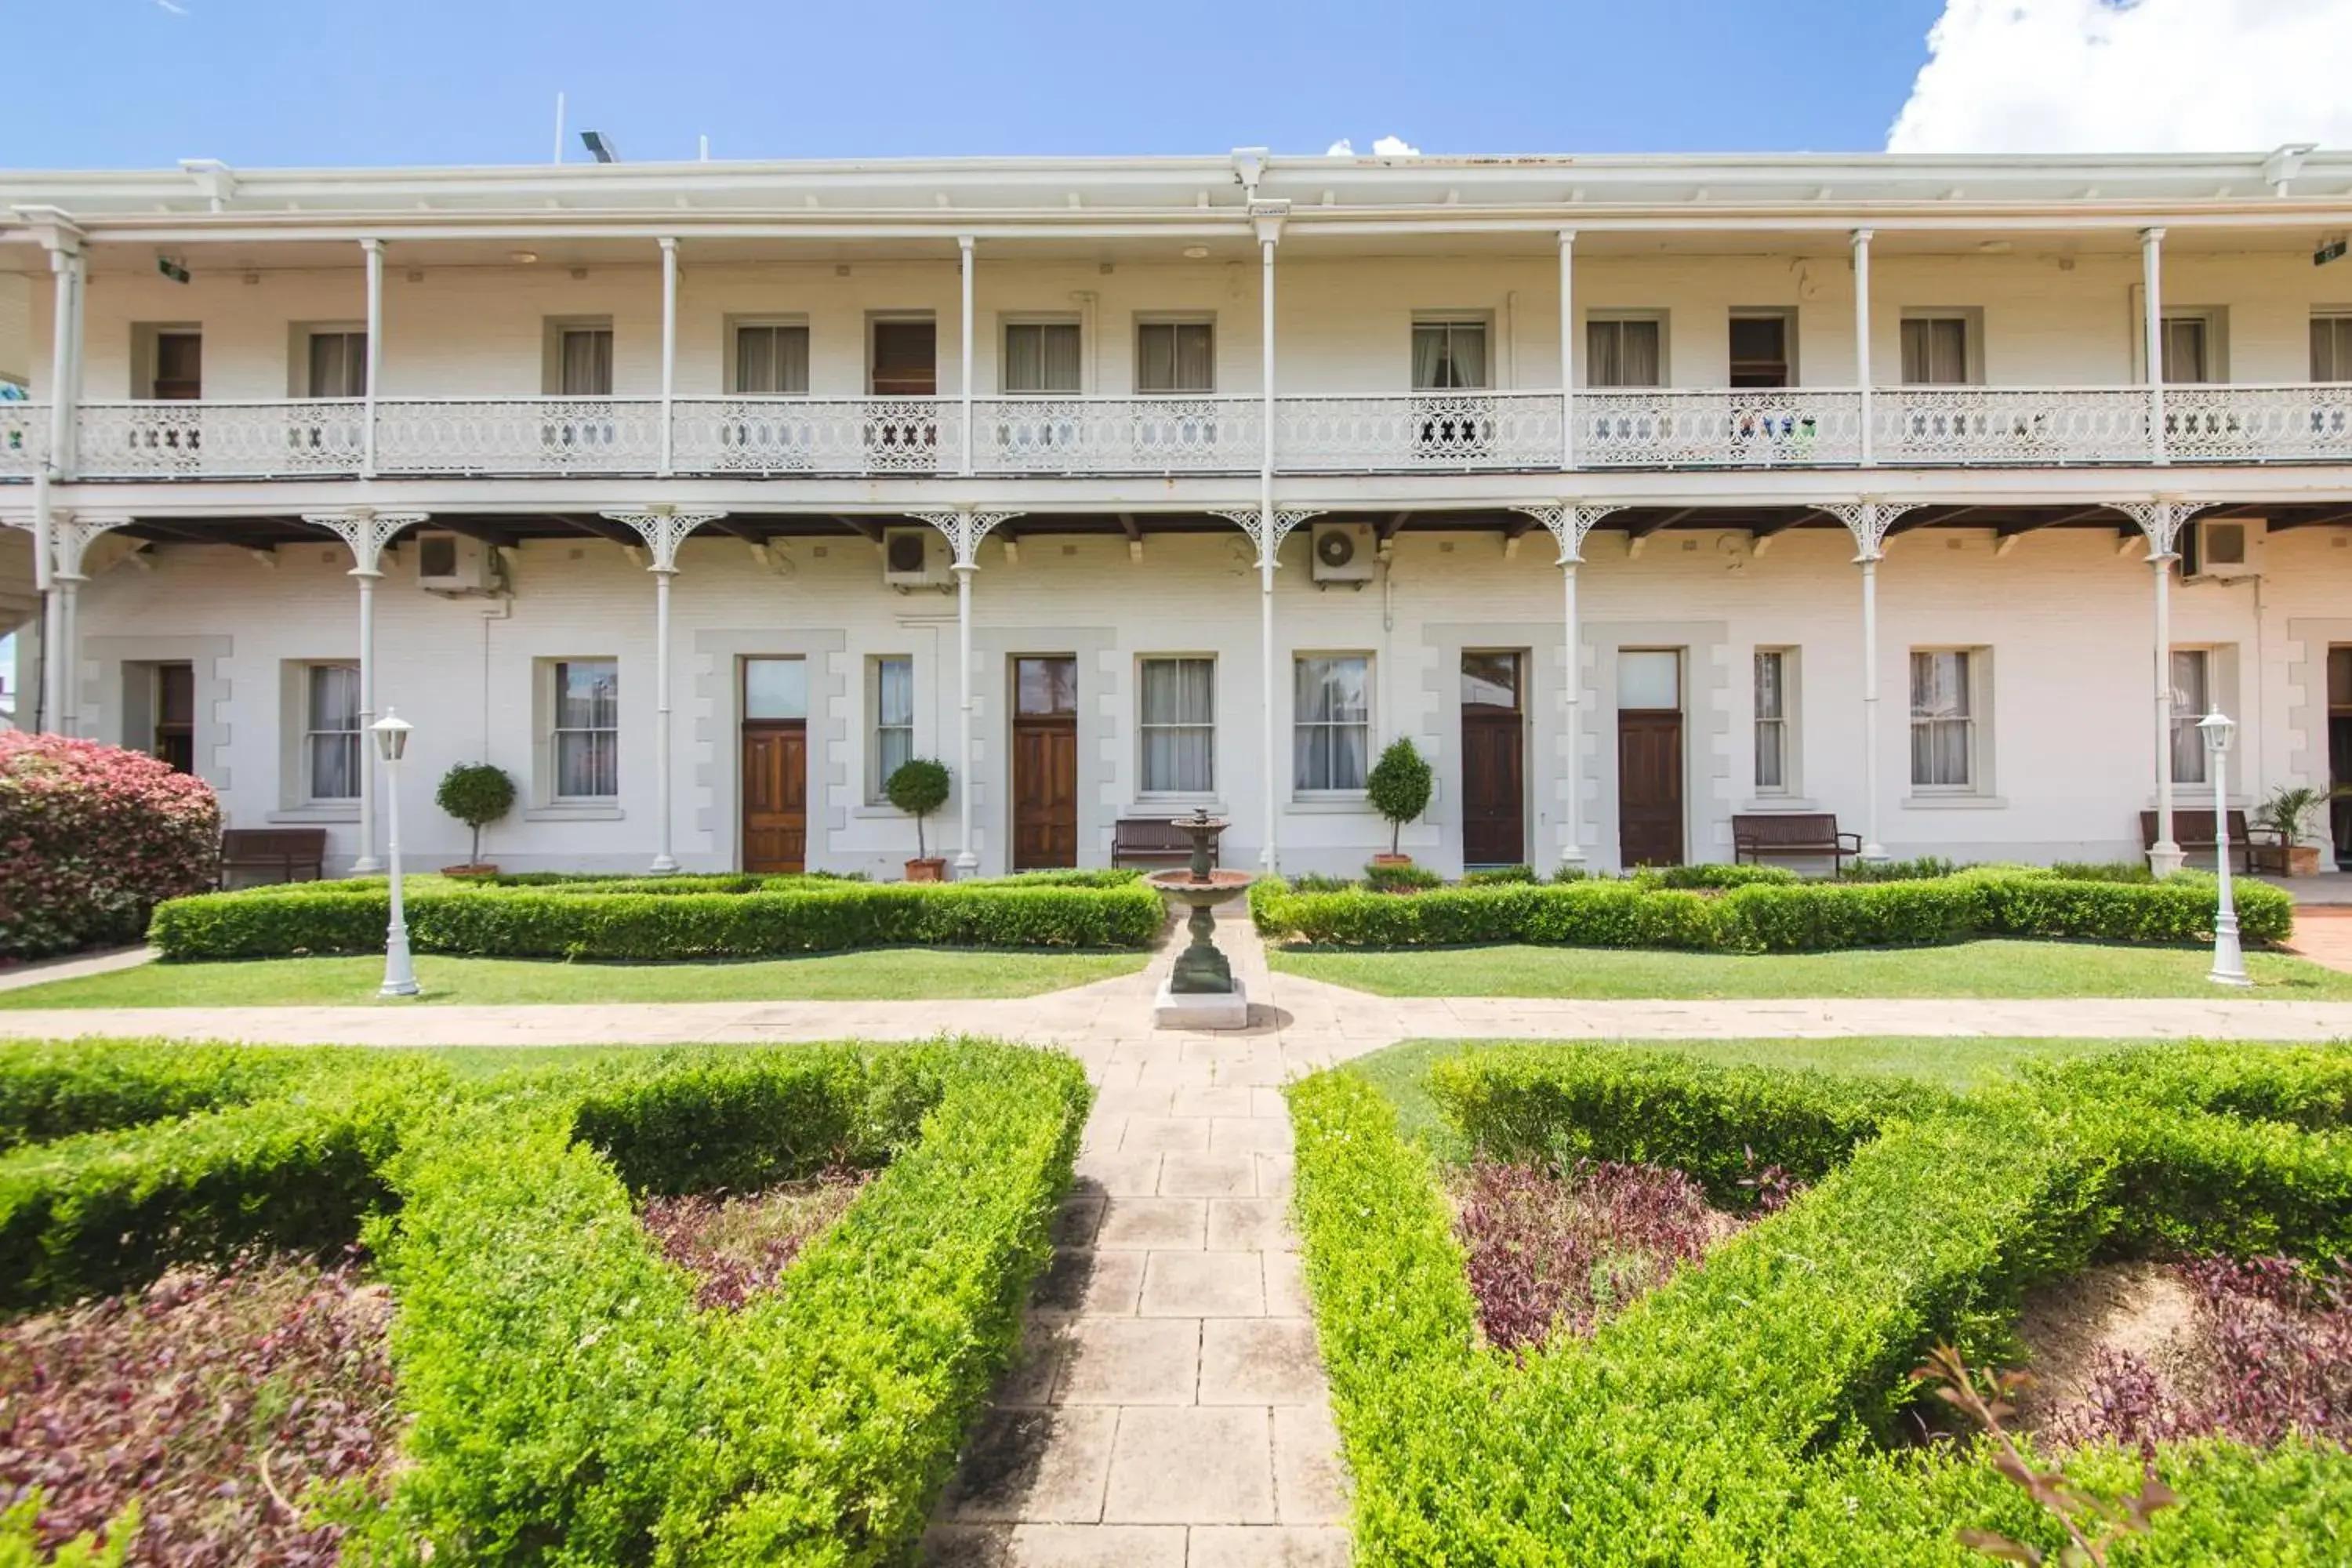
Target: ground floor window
<point x="1332" y="724"/>
<point x="1178" y="727"/>
<point x="2192" y="698"/>
<point x="587" y="731"/>
<point x="1943" y="719"/>
<point x="330" y="738"/>
<point x="175" y="716"/>
<point x="894" y="718"/>
<point x="1774" y="665"/>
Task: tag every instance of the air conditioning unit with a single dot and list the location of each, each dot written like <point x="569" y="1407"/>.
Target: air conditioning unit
<point x="914" y="558"/>
<point x="1343" y="553"/>
<point x="453" y="563"/>
<point x="2219" y="550"/>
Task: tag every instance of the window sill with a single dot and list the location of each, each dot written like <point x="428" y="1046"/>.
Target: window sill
<point x="582" y="811"/>
<point x="339" y="811"/>
<point x="1174" y="806"/>
<point x="1356" y="804"/>
<point x="1954" y="802"/>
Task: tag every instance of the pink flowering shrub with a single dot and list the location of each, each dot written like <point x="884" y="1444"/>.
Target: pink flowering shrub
<point x="92" y="839"/>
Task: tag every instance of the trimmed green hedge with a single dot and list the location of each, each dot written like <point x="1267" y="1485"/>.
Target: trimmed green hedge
<point x="824" y="917"/>
<point x="1770" y="916"/>
<point x="52" y="1090"/>
<point x="1742" y="1412"/>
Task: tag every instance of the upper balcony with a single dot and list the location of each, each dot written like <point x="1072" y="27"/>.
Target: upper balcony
<point x="1453" y="432"/>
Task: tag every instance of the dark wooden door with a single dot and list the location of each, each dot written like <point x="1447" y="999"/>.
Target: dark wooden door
<point x="776" y="797"/>
<point x="1493" y="761"/>
<point x="1044" y="764"/>
<point x="1649" y="787"/>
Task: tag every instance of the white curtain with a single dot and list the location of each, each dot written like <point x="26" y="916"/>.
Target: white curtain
<point x="1621" y="353"/>
<point x="772" y="360"/>
<point x="1448" y="354"/>
<point x="1042" y="357"/>
<point x="2191" y="700"/>
<point x="334" y="731"/>
<point x="339" y="364"/>
<point x="587" y="733"/>
<point x="1179" y="726"/>
<point x="1772" y="724"/>
<point x="587" y="368"/>
<point x="1936" y="352"/>
<point x="894" y="717"/>
<point x="1942" y="726"/>
<point x="1173" y="356"/>
<point x="1332" y="731"/>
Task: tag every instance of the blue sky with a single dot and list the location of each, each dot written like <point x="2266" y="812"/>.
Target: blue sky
<point x="118" y="83"/>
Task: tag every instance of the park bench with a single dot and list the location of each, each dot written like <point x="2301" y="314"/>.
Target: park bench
<point x="1793" y="833"/>
<point x="1154" y="839"/>
<point x="279" y="850"/>
<point x="2194" y="830"/>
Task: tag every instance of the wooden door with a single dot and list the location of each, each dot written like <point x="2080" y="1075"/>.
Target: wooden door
<point x="776" y="797"/>
<point x="1044" y="764"/>
<point x="1649" y="787"/>
<point x="1493" y="761"/>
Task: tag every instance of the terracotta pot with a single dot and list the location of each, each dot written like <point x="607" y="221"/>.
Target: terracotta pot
<point x="481" y="870"/>
<point x="931" y="870"/>
<point x="1387" y="859"/>
<point x="2303" y="860"/>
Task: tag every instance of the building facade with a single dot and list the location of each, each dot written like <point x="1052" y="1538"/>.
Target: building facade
<point x="1941" y="495"/>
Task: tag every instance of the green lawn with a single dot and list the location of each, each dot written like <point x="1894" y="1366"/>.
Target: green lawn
<point x="1991" y="969"/>
<point x="886" y="975"/>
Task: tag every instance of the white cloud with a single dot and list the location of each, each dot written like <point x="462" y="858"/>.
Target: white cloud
<point x="2118" y="76"/>
<point x="1394" y="147"/>
<point x="1342" y="148"/>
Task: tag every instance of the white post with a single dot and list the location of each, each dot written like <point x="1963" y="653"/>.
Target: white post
<point x="1871" y="847"/>
<point x="399" y="969"/>
<point x="366" y="864"/>
<point x="2151" y="262"/>
<point x="1862" y="340"/>
<point x="70" y="582"/>
<point x="668" y="353"/>
<point x="1269" y="542"/>
<point x="964" y="265"/>
<point x="1568" y="358"/>
<point x="44" y="559"/>
<point x="663" y="861"/>
<point x="374" y="253"/>
<point x="1571" y="716"/>
<point x="65" y="268"/>
<point x="2164" y="857"/>
<point x="967" y="859"/>
<point x="2228" y="959"/>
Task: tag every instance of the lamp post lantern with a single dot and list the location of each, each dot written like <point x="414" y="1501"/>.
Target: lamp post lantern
<point x="2229" y="960"/>
<point x="391" y="733"/>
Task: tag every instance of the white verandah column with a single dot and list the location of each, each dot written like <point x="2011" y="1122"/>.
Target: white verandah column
<point x="1861" y="341"/>
<point x="1267" y="527"/>
<point x="663" y="529"/>
<point x="366" y="533"/>
<point x="1568" y="524"/>
<point x="964" y="265"/>
<point x="71" y="537"/>
<point x="668" y="449"/>
<point x="963" y="530"/>
<point x="373" y="251"/>
<point x="1868" y="521"/>
<point x="1567" y="349"/>
<point x="2151" y="263"/>
<point x="2161" y="520"/>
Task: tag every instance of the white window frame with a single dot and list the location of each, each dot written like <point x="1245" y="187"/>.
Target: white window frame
<point x="1008" y="321"/>
<point x="298" y="384"/>
<point x="557" y="730"/>
<point x="1972" y="344"/>
<point x="556" y="328"/>
<point x="2339" y="318"/>
<point x="1612" y="317"/>
<point x="355" y="737"/>
<point x="2186" y="740"/>
<point x="877" y="772"/>
<point x="738" y="325"/>
<point x="1300" y="790"/>
<point x="1144" y="727"/>
<point x="1784" y="314"/>
<point x="1784" y="723"/>
<point x="1977" y="689"/>
<point x="1146" y="322"/>
<point x="1482" y="319"/>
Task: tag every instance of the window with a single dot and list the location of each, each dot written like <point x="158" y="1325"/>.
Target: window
<point x="772" y="359"/>
<point x="331" y="731"/>
<point x="1045" y="688"/>
<point x="1626" y="351"/>
<point x="337" y="364"/>
<point x="905" y="357"/>
<point x="1935" y="350"/>
<point x="1042" y="357"/>
<point x="587" y="731"/>
<point x="179" y="366"/>
<point x="894" y="718"/>
<point x="1774" y="665"/>
<point x="1759" y="350"/>
<point x="2331" y="347"/>
<point x="584" y="360"/>
<point x="1943" y="719"/>
<point x="776" y="691"/>
<point x="1332" y="726"/>
<point x="1449" y="355"/>
<point x="2186" y="348"/>
<point x="175" y="716"/>
<point x="2192" y="698"/>
<point x="1175" y="356"/>
<point x="1179" y="729"/>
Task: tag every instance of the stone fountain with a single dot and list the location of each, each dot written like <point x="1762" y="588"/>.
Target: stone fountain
<point x="1201" y="992"/>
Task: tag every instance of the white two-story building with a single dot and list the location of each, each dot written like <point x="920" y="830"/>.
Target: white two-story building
<point x="1939" y="494"/>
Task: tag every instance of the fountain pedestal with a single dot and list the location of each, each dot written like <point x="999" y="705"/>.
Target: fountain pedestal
<point x="1201" y="992"/>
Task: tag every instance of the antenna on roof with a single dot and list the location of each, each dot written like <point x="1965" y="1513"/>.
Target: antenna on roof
<point x="600" y="146"/>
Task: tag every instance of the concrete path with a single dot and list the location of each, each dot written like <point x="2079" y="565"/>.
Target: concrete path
<point x="41" y="971"/>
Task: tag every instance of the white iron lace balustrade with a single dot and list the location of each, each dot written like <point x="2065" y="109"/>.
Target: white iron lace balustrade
<point x="1200" y="433"/>
<point x="172" y="440"/>
<point x="518" y="436"/>
<point x="2003" y="425"/>
<point x="813" y="435"/>
<point x="2259" y="423"/>
<point x="1419" y="431"/>
<point x="1676" y="427"/>
<point x="24" y="437"/>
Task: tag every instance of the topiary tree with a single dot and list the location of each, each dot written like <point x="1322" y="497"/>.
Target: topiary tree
<point x="475" y="794"/>
<point x="92" y="839"/>
<point x="918" y="787"/>
<point x="1400" y="787"/>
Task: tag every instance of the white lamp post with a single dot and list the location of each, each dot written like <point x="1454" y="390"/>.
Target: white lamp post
<point x="2229" y="961"/>
<point x="392" y="738"/>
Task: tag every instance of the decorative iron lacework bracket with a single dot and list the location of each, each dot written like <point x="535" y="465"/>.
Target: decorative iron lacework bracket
<point x="2162" y="519"/>
<point x="1568" y="524"/>
<point x="1252" y="521"/>
<point x="1870" y="521"/>
<point x="663" y="529"/>
<point x="70" y="537"/>
<point x="366" y="533"/>
<point x="963" y="531"/>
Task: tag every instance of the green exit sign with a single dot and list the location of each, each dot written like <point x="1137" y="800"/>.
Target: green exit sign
<point x="177" y="272"/>
<point x="2332" y="251"/>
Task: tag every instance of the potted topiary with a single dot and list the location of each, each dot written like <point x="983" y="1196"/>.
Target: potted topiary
<point x="2286" y="817"/>
<point x="919" y="787"/>
<point x="475" y="794"/>
<point x="1399" y="788"/>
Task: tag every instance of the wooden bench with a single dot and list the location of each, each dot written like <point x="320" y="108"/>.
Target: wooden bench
<point x="1155" y="839"/>
<point x="1793" y="833"/>
<point x="282" y="850"/>
<point x="2194" y="830"/>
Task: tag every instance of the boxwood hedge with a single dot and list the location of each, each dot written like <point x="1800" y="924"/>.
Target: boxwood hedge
<point x="1741" y="1413"/>
<point x="695" y="923"/>
<point x="1771" y="916"/>
<point x="567" y="1402"/>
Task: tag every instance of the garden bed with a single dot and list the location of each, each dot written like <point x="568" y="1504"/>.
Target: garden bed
<point x="1758" y="1400"/>
<point x="587" y="1352"/>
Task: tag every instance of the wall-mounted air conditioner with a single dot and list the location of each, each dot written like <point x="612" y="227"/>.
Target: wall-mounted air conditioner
<point x="2219" y="550"/>
<point x="1343" y="553"/>
<point x="914" y="558"/>
<point x="453" y="563"/>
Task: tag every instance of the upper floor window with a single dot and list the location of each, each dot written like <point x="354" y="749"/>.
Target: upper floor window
<point x="1625" y="351"/>
<point x="1042" y="357"/>
<point x="170" y="361"/>
<point x="1935" y="350"/>
<point x="336" y="363"/>
<point x="2331" y="347"/>
<point x="1760" y="349"/>
<point x="1449" y="355"/>
<point x="2189" y="348"/>
<point x="1175" y="356"/>
<point x="903" y="357"/>
<point x="582" y="353"/>
<point x="772" y="359"/>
